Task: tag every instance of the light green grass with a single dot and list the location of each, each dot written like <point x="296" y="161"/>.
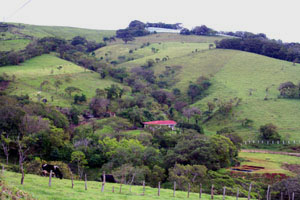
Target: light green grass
<point x="33" y="72"/>
<point x="271" y="162"/>
<point x="63" y="32"/>
<point x="245" y="71"/>
<point x="61" y="190"/>
<point x="16" y="45"/>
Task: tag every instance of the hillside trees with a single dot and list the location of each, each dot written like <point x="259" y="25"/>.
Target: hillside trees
<point x="216" y="153"/>
<point x="184" y="174"/>
<point x="196" y="90"/>
<point x="135" y="29"/>
<point x="261" y="45"/>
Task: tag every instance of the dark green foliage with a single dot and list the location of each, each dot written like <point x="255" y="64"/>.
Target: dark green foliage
<point x="195" y="127"/>
<point x="215" y="153"/>
<point x="269" y="132"/>
<point x="164" y="25"/>
<point x="79" y="99"/>
<point x="118" y="73"/>
<point x="74" y="113"/>
<point x="203" y="30"/>
<point x="289" y="90"/>
<point x="261" y="45"/>
<point x="185" y="31"/>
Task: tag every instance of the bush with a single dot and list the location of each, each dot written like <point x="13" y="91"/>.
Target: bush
<point x="269" y="132"/>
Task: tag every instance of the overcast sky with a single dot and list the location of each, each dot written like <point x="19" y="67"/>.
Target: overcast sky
<point x="279" y="19"/>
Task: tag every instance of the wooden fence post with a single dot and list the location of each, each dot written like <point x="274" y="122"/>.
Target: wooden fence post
<point x="189" y="188"/>
<point x="224" y="192"/>
<point x="200" y="192"/>
<point x="85" y="182"/>
<point x="249" y="193"/>
<point x="143" y="188"/>
<point x="120" y="188"/>
<point x="174" y="189"/>
<point x="103" y="182"/>
<point x="113" y="189"/>
<point x="293" y="196"/>
<point x="158" y="192"/>
<point x="268" y="192"/>
<point x="281" y="196"/>
<point x="212" y="192"/>
<point x="72" y="180"/>
<point x="50" y="178"/>
<point x="237" y="193"/>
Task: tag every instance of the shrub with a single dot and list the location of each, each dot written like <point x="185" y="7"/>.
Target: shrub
<point x="269" y="132"/>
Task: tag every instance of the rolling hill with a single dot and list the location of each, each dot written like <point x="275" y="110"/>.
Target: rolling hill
<point x="234" y="74"/>
<point x="30" y="75"/>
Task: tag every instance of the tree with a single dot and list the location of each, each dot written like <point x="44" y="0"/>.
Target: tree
<point x="184" y="174"/>
<point x="78" y="40"/>
<point x="70" y="90"/>
<point x="99" y="106"/>
<point x="24" y="144"/>
<point x="79" y="158"/>
<point x="194" y="91"/>
<point x="5" y="143"/>
<point x="125" y="35"/>
<point x="269" y="132"/>
<point x="114" y="92"/>
<point x="191" y="112"/>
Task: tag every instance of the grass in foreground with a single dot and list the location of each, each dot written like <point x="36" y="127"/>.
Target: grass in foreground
<point x="271" y="162"/>
<point x="61" y="190"/>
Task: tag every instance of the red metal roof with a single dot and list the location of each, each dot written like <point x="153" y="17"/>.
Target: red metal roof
<point x="162" y="122"/>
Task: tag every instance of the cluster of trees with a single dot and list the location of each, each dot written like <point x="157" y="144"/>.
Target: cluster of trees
<point x="30" y="130"/>
<point x="198" y="30"/>
<point x="261" y="45"/>
<point x="289" y="90"/>
<point x="164" y="25"/>
<point x="135" y="29"/>
<point x="68" y="50"/>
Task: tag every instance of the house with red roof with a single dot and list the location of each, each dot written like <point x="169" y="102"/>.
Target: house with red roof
<point x="170" y="123"/>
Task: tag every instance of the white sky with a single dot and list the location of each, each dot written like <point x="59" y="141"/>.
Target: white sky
<point x="279" y="19"/>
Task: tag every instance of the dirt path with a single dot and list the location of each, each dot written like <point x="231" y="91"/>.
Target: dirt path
<point x="271" y="152"/>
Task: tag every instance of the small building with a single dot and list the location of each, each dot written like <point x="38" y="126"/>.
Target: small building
<point x="171" y="124"/>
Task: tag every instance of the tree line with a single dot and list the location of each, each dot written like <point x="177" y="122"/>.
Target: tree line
<point x="260" y="44"/>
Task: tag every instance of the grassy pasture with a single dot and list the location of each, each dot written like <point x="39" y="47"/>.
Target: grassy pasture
<point x="8" y="45"/>
<point x="33" y="72"/>
<point x="271" y="162"/>
<point x="63" y="32"/>
<point x="246" y="71"/>
<point x="61" y="190"/>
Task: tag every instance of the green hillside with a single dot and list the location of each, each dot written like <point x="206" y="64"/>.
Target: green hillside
<point x="17" y="37"/>
<point x="33" y="72"/>
<point x="38" y="188"/>
<point x="233" y="74"/>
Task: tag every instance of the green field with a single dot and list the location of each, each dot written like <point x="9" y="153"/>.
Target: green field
<point x="18" y="37"/>
<point x="8" y="45"/>
<point x="63" y="32"/>
<point x="38" y="188"/>
<point x="271" y="162"/>
<point x="30" y="74"/>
